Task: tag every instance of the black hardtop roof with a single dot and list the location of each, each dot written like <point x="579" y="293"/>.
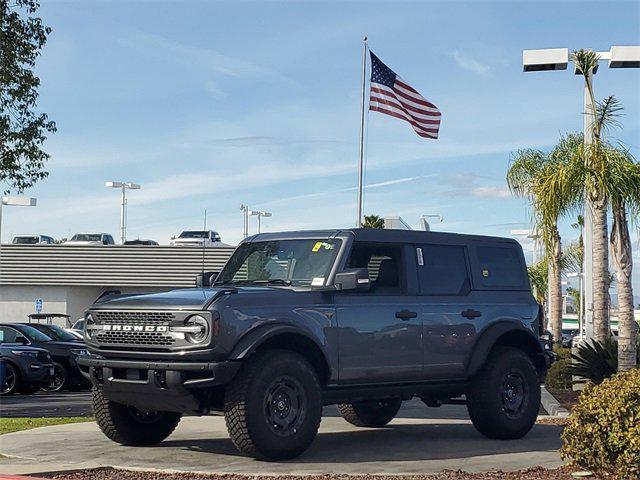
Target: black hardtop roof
<point x="380" y="235"/>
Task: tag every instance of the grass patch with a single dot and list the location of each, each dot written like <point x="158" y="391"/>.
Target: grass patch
<point x="8" y="425"/>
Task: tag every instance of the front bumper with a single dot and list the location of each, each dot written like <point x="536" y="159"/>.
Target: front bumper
<point x="161" y="386"/>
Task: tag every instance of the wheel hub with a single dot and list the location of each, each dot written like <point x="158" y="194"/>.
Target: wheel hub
<point x="285" y="405"/>
<point x="513" y="393"/>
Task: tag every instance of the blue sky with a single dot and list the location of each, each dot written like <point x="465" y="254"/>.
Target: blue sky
<point x="211" y="104"/>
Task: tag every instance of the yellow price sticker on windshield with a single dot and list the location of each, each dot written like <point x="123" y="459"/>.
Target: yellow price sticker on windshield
<point x="317" y="247"/>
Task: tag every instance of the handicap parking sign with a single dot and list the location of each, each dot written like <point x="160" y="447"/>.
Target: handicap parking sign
<point x="39" y="303"/>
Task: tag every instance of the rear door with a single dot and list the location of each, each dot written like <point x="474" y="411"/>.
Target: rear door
<point x="449" y="320"/>
<point x="380" y="331"/>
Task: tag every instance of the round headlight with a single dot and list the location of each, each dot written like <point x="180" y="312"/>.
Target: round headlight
<point x="199" y="329"/>
<point x="88" y="321"/>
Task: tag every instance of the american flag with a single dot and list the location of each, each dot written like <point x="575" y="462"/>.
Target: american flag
<point x="393" y="96"/>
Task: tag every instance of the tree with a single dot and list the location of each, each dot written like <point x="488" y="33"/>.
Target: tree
<point x="596" y="201"/>
<point x="532" y="174"/>
<point x="373" y="221"/>
<point x="22" y="129"/>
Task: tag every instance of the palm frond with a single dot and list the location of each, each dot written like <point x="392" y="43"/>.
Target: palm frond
<point x="607" y="113"/>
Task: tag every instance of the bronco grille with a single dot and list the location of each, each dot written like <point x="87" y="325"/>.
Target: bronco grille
<point x="138" y="318"/>
<point x="127" y="333"/>
<point x="133" y="338"/>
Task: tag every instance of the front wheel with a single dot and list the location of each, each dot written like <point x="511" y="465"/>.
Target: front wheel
<point x="128" y="425"/>
<point x="273" y="406"/>
<point x="11" y="380"/>
<point x="503" y="399"/>
<point x="373" y="413"/>
<point x="59" y="380"/>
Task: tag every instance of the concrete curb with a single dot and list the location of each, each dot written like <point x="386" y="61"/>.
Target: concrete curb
<point x="551" y="405"/>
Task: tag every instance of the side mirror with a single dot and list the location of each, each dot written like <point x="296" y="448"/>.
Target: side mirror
<point x="206" y="279"/>
<point x="173" y="237"/>
<point x="22" y="340"/>
<point x="353" y="279"/>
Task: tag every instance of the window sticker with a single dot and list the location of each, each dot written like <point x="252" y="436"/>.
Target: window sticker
<point x="317" y="282"/>
<point x="322" y="245"/>
<point x="485" y="272"/>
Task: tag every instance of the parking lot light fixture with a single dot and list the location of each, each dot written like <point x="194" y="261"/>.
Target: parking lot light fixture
<point x="424" y="222"/>
<point x="259" y="214"/>
<point x="15" y="201"/>
<point x="123" y="186"/>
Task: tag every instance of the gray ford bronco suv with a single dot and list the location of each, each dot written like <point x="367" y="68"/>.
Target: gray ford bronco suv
<point x="360" y="318"/>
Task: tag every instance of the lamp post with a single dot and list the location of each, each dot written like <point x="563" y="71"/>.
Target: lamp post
<point x="245" y="219"/>
<point x="14" y="201"/>
<point x="259" y="215"/>
<point x="558" y="59"/>
<point x="533" y="235"/>
<point x="580" y="277"/>
<point x="123" y="186"/>
<point x="425" y="223"/>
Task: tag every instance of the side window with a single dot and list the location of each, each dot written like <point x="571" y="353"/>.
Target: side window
<point x="9" y="335"/>
<point x="385" y="265"/>
<point x="442" y="270"/>
<point x="501" y="266"/>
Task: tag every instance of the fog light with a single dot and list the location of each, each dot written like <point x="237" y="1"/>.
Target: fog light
<point x="198" y="329"/>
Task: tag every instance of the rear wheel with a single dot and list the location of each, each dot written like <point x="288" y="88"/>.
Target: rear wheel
<point x="273" y="406"/>
<point x="374" y="413"/>
<point x="11" y="380"/>
<point x="504" y="397"/>
<point x="128" y="425"/>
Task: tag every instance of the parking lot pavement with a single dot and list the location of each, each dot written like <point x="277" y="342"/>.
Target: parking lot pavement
<point x="44" y="404"/>
<point x="421" y="440"/>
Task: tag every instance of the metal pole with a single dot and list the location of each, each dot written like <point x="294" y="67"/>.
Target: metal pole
<point x="589" y="111"/>
<point x="362" y="119"/>
<point x="123" y="233"/>
<point x="259" y="217"/>
<point x="1" y="202"/>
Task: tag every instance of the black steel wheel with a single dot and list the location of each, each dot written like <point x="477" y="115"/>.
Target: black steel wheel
<point x="503" y="398"/>
<point x="11" y="380"/>
<point x="285" y="405"/>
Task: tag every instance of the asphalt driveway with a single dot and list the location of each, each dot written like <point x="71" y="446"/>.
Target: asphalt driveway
<point x="420" y="440"/>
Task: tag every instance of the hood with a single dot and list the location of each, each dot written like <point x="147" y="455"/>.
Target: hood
<point x="183" y="299"/>
<point x="189" y="240"/>
<point x="82" y="242"/>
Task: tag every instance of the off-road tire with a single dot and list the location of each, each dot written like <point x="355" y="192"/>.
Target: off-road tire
<point x="16" y="382"/>
<point x="374" y="413"/>
<point x="120" y="424"/>
<point x="490" y="402"/>
<point x="249" y="412"/>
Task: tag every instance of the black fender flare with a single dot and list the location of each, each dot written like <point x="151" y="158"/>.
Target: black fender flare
<point x="488" y="338"/>
<point x="250" y="341"/>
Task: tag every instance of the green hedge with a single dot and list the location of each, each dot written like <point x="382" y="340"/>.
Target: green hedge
<point x="603" y="432"/>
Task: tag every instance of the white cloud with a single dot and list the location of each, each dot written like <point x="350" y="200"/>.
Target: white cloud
<point x="491" y="192"/>
<point x="471" y="64"/>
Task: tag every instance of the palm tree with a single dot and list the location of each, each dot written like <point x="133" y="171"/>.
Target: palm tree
<point x="373" y="221"/>
<point x="623" y="189"/>
<point x="530" y="175"/>
<point x="596" y="200"/>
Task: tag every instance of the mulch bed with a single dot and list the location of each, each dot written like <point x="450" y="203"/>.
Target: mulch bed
<point x="567" y="398"/>
<point x="538" y="473"/>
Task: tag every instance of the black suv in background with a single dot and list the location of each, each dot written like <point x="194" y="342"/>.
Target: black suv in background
<point x="64" y="354"/>
<point x="27" y="369"/>
<point x="361" y="318"/>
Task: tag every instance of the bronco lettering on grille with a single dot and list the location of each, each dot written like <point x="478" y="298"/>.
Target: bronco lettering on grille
<point x="135" y="328"/>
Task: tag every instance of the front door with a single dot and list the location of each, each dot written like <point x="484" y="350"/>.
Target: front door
<point x="380" y="331"/>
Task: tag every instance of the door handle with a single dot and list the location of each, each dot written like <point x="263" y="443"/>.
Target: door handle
<point x="469" y="313"/>
<point x="406" y="315"/>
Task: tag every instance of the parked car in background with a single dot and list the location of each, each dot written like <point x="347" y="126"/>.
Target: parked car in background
<point x="64" y="354"/>
<point x="567" y="337"/>
<point x="34" y="239"/>
<point x="77" y="327"/>
<point x="57" y="333"/>
<point x="91" y="239"/>
<point x="141" y="241"/>
<point x="197" y="238"/>
<point x="26" y="369"/>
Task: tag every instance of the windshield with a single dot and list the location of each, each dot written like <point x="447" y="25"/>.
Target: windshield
<point x="87" y="237"/>
<point x="194" y="234"/>
<point x="281" y="262"/>
<point x="31" y="240"/>
<point x="55" y="332"/>
<point x="33" y="334"/>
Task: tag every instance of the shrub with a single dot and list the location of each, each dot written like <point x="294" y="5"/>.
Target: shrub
<point x="595" y="360"/>
<point x="603" y="432"/>
<point x="558" y="375"/>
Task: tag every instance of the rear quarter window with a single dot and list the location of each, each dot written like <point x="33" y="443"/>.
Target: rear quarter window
<point x="500" y="266"/>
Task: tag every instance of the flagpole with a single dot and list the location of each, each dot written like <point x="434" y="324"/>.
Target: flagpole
<point x="362" y="120"/>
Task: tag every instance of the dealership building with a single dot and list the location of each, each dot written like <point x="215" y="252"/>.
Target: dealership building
<point x="67" y="279"/>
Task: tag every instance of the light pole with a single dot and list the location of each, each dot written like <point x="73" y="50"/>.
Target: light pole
<point x="558" y="59"/>
<point x="245" y="219"/>
<point x="533" y="235"/>
<point x="425" y="223"/>
<point x="580" y="277"/>
<point x="259" y="215"/>
<point x="14" y="201"/>
<point x="123" y="186"/>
